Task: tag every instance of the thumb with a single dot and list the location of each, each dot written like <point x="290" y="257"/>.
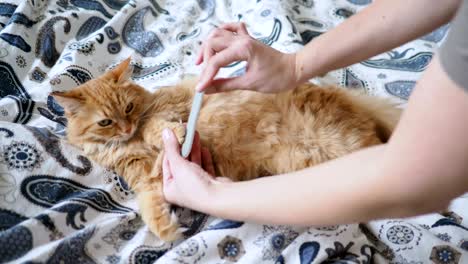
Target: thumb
<point x="167" y="175"/>
<point x="227" y="84"/>
<point x="243" y="28"/>
<point x="171" y="145"/>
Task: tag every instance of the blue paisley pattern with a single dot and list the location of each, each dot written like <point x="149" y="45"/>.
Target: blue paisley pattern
<point x="116" y="4"/>
<point x="8" y="133"/>
<point x="352" y="81"/>
<point x="46" y="191"/>
<point x="415" y="63"/>
<point x="57" y="206"/>
<point x="145" y="254"/>
<point x="7" y="9"/>
<point x="147" y="43"/>
<point x="16" y="41"/>
<point x="360" y="2"/>
<point x="51" y="144"/>
<point x="78" y="74"/>
<point x="437" y="35"/>
<point x="91" y="25"/>
<point x="274" y="35"/>
<point x="49" y="114"/>
<point x="15" y="242"/>
<point x="309" y="35"/>
<point x="308" y="252"/>
<point x="140" y="72"/>
<point x="208" y="7"/>
<point x="401" y="89"/>
<point x="45" y="44"/>
<point x="72" y="250"/>
<point x="91" y="5"/>
<point x="21" y="19"/>
<point x="225" y="224"/>
<point x="12" y="89"/>
<point x="9" y="219"/>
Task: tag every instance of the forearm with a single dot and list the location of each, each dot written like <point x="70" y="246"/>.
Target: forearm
<point x="383" y="25"/>
<point x="340" y="191"/>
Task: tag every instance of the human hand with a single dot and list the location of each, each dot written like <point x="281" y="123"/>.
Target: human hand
<point x="268" y="70"/>
<point x="187" y="183"/>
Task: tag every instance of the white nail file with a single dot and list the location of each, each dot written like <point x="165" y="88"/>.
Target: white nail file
<point x="192" y="124"/>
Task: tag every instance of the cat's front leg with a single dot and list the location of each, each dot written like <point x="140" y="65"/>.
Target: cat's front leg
<point x="152" y="133"/>
<point x="156" y="214"/>
<point x="154" y="209"/>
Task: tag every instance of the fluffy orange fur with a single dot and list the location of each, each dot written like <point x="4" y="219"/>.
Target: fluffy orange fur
<point x="118" y="124"/>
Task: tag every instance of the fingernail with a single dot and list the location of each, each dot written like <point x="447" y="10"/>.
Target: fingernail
<point x="166" y="134"/>
<point x="198" y="87"/>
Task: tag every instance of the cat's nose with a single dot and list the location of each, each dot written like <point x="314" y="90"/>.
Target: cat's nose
<point x="127" y="129"/>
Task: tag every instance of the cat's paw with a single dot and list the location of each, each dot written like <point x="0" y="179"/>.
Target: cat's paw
<point x="180" y="131"/>
<point x="166" y="228"/>
<point x="157" y="215"/>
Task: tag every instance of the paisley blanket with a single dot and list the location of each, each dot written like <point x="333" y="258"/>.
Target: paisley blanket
<point x="56" y="206"/>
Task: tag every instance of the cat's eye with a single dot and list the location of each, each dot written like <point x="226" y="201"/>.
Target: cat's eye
<point x="129" y="108"/>
<point x="105" y="122"/>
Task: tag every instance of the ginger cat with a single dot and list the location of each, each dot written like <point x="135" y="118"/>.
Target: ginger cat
<point x="118" y="124"/>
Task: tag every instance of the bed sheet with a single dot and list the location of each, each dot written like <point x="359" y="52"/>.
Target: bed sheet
<point x="56" y="206"/>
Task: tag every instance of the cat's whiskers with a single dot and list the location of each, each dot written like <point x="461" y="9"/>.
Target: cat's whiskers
<point x="112" y="142"/>
<point x="145" y="116"/>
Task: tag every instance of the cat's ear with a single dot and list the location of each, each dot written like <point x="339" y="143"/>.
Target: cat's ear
<point x="123" y="71"/>
<point x="71" y="101"/>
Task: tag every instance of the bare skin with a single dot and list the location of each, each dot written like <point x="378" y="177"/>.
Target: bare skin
<point x="426" y="154"/>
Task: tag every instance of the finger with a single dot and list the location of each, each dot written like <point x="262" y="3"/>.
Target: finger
<point x="221" y="59"/>
<point x="207" y="161"/>
<point x="238" y="27"/>
<point x="171" y="146"/>
<point x="243" y="29"/>
<point x="219" y="32"/>
<point x="195" y="154"/>
<point x="228" y="84"/>
<point x="215" y="45"/>
<point x="199" y="58"/>
<point x="208" y="52"/>
<point x="204" y="49"/>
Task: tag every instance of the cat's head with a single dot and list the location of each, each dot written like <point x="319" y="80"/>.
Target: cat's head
<point x="105" y="109"/>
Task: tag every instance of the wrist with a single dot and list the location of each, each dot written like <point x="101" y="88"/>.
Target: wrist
<point x="308" y="64"/>
<point x="219" y="201"/>
<point x="298" y="67"/>
<point x="211" y="200"/>
<point x="289" y="67"/>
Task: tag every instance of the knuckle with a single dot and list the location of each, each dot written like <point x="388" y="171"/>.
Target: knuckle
<point x="211" y="35"/>
<point x="216" y="33"/>
<point x="208" y="46"/>
<point x="215" y="64"/>
<point x="246" y="42"/>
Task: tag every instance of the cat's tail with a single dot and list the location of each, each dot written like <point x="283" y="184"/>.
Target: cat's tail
<point x="385" y="113"/>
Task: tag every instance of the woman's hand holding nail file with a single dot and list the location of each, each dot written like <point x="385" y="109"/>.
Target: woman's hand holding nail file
<point x="191" y="124"/>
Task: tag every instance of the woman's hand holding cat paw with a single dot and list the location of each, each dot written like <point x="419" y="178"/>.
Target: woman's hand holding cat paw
<point x="268" y="70"/>
<point x="187" y="183"/>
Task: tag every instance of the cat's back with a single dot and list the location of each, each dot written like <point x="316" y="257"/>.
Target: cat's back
<point x="336" y="117"/>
